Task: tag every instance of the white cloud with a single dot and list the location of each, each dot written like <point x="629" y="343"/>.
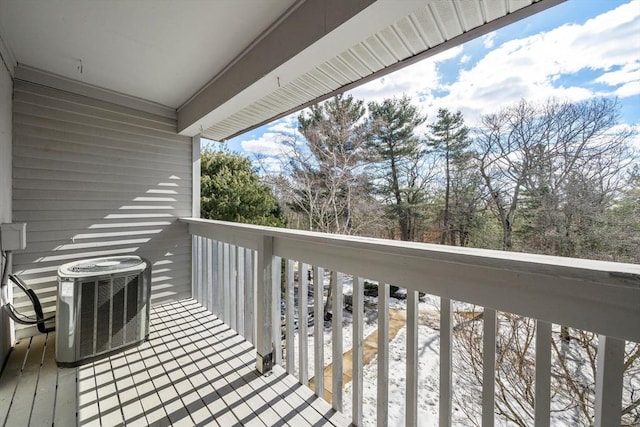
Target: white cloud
<point x="414" y="80"/>
<point x="532" y="67"/>
<point x="268" y="144"/>
<point x="488" y="40"/>
<point x="535" y="68"/>
<point x="287" y="125"/>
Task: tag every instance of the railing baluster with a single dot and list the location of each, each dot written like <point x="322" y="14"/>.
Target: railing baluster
<point x="289" y="301"/>
<point x="383" y="354"/>
<point x="253" y="304"/>
<point x="445" y="362"/>
<point x="232" y="276"/>
<point x="488" y="367"/>
<point x="220" y="294"/>
<point x="208" y="264"/>
<point x="336" y="340"/>
<point x="358" y="310"/>
<point x="318" y="330"/>
<point x="276" y="311"/>
<point x="196" y="268"/>
<point x="225" y="279"/>
<point x="240" y="291"/>
<point x="543" y="374"/>
<point x="303" y="315"/>
<point x="411" y="411"/>
<point x="609" y="374"/>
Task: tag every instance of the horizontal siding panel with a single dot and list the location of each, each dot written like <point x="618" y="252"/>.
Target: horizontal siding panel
<point x="72" y="186"/>
<point x="90" y="131"/>
<point x="154" y="251"/>
<point x="57" y="205"/>
<point x="70" y="118"/>
<point x="29" y="98"/>
<point x="157" y="239"/>
<point x="39" y="135"/>
<point x="54" y="167"/>
<point x="94" y="179"/>
<point x="91" y="216"/>
<point x="48" y="269"/>
<point x="104" y="177"/>
<point x="26" y="194"/>
<point x="74" y="225"/>
<point x="91" y="155"/>
<point x="22" y="87"/>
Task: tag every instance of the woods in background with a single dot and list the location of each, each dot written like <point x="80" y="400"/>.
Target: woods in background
<point x="554" y="178"/>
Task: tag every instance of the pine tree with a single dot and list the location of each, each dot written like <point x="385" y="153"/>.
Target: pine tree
<point x="231" y="191"/>
<point x="398" y="155"/>
<point x="449" y="140"/>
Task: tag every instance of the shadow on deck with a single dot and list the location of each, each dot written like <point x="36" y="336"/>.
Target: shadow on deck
<point x="194" y="370"/>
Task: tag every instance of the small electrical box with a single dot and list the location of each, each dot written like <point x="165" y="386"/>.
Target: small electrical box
<point x="13" y="236"/>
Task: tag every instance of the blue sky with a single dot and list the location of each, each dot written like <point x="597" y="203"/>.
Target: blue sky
<point x="576" y="50"/>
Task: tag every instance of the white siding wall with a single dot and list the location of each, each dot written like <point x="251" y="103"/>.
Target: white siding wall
<point x="6" y="88"/>
<point x="91" y="178"/>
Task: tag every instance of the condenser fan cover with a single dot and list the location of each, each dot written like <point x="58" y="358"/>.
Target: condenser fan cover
<point x="106" y="265"/>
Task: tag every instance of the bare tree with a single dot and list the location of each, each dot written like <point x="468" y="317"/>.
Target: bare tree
<point x="538" y="152"/>
<point x="573" y="371"/>
<point x="323" y="176"/>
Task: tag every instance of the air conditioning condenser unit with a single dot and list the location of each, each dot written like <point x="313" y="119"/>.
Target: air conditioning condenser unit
<point x="102" y="308"/>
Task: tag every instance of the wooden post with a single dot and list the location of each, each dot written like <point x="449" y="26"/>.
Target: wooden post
<point x="358" y="310"/>
<point x="542" y="402"/>
<point x="303" y="329"/>
<point x="336" y="338"/>
<point x="383" y="355"/>
<point x="446" y="333"/>
<point x="489" y="367"/>
<point x="264" y="336"/>
<point x="411" y="412"/>
<point x="275" y="310"/>
<point x="290" y="300"/>
<point x="197" y="284"/>
<point x="609" y="373"/>
<point x="318" y="330"/>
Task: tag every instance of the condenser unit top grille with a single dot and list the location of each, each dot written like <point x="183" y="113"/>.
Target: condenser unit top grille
<point x="106" y="265"/>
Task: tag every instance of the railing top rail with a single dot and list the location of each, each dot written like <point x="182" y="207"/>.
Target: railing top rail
<point x="620" y="273"/>
<point x="599" y="296"/>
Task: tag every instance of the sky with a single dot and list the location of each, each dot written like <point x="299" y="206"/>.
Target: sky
<point x="574" y="51"/>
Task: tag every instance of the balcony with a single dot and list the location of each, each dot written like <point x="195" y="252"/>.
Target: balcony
<point x="200" y="368"/>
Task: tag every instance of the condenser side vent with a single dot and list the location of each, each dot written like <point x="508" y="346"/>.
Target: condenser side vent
<point x="99" y="314"/>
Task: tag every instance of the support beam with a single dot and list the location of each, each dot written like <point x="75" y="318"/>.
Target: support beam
<point x="306" y="23"/>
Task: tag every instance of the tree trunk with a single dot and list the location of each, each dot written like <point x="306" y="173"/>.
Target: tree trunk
<point x="445" y="223"/>
<point x="507" y="231"/>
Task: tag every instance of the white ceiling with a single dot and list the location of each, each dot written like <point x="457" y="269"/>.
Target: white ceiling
<point x="180" y="53"/>
<point x="158" y="50"/>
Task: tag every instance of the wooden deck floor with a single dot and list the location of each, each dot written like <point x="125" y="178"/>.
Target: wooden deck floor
<point x="194" y="370"/>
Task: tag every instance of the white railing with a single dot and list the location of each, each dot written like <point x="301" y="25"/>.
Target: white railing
<point x="237" y="275"/>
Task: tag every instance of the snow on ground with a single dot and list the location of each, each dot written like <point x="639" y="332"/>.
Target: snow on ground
<point x="466" y="393"/>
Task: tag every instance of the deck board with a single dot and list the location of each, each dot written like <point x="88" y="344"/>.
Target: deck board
<point x="44" y="399"/>
<point x="27" y="383"/>
<point x="10" y="376"/>
<point x="193" y="370"/>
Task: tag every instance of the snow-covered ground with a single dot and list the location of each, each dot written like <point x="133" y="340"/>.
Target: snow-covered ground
<point x="467" y="392"/>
